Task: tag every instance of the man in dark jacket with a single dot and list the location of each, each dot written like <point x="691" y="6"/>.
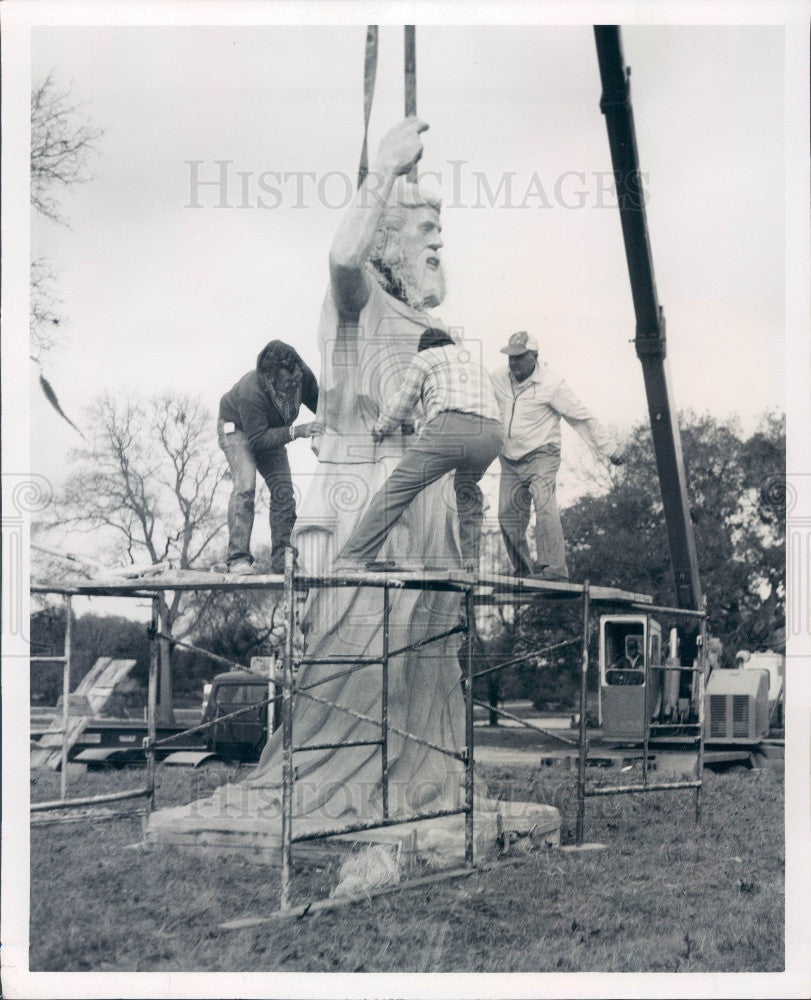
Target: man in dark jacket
<point x="254" y="426"/>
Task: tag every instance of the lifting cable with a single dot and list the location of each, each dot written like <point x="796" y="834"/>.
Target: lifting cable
<point x="411" y="83"/>
<point x="369" y="77"/>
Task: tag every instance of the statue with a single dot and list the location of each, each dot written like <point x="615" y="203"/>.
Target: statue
<point x="385" y="274"/>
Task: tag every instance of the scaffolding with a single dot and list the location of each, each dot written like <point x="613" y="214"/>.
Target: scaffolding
<point x="584" y="791"/>
<point x="65" y="660"/>
<point x="473" y="590"/>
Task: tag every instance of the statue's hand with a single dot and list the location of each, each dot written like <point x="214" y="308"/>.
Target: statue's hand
<point x="378" y="435"/>
<point x="401" y="147"/>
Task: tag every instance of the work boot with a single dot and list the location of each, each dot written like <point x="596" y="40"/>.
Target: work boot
<point x="527" y="572"/>
<point x="241" y="568"/>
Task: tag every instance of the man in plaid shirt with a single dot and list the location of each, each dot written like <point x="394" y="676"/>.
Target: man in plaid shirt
<point x="461" y="431"/>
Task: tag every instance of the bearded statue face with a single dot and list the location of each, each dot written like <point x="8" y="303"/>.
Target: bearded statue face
<point x="407" y="254"/>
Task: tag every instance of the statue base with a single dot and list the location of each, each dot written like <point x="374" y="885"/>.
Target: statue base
<point x="498" y="828"/>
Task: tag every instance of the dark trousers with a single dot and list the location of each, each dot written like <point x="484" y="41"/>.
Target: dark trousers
<point x="526" y="482"/>
<point x="275" y="470"/>
<point x="460" y="442"/>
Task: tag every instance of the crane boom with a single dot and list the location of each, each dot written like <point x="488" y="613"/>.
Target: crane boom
<point x="651" y="347"/>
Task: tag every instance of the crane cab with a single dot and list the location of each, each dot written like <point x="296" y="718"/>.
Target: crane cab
<point x="630" y="693"/>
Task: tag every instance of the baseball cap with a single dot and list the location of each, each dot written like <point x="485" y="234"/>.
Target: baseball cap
<point x="520" y="343"/>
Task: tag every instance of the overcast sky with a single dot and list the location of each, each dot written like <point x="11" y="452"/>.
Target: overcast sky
<point x="160" y="295"/>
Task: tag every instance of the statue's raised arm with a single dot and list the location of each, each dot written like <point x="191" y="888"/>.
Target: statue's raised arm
<point x="399" y="150"/>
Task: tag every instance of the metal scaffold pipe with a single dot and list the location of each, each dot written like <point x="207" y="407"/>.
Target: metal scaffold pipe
<point x="471" y="627"/>
<point x="63" y="777"/>
<point x="581" y="762"/>
<point x="152" y="702"/>
<point x="287" y="729"/>
<point x="384" y="705"/>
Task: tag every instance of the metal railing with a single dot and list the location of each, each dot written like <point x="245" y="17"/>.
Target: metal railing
<point x="150" y="743"/>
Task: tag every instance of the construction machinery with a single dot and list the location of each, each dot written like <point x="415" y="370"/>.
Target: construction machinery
<point x="775" y="666"/>
<point x="650" y="340"/>
<point x="648" y="695"/>
<point x="643" y="695"/>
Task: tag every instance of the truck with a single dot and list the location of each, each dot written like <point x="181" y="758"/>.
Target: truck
<point x="241" y="737"/>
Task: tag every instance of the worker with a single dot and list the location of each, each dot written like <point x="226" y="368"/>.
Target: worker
<point x="461" y="432"/>
<point x="532" y="399"/>
<point x="632" y="660"/>
<point x="256" y="422"/>
<point x="628" y="669"/>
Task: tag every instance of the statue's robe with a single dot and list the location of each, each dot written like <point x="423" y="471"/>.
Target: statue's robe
<point x="362" y="365"/>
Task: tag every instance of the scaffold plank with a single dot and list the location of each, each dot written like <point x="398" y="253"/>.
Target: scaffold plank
<point x="489" y="588"/>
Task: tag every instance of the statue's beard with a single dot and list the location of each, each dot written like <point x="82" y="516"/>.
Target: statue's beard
<point x="419" y="287"/>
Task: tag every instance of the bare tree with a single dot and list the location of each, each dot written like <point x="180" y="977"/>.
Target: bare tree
<point x="63" y="144"/>
<point x="63" y="140"/>
<point x="45" y="310"/>
<point x="149" y="485"/>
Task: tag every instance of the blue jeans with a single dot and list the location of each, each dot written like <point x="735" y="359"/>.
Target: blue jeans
<point x="275" y="470"/>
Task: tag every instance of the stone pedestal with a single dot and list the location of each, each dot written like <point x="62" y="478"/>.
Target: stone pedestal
<point x="500" y="828"/>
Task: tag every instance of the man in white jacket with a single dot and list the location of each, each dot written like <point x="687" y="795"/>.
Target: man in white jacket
<point x="532" y="399"/>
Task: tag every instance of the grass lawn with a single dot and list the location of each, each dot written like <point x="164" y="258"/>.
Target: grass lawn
<point x="664" y="896"/>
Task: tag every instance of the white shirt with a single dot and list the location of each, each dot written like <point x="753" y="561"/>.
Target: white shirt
<point x="531" y="412"/>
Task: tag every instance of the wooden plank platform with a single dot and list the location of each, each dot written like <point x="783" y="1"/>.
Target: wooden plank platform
<point x="490" y="588"/>
<point x="89" y="815"/>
